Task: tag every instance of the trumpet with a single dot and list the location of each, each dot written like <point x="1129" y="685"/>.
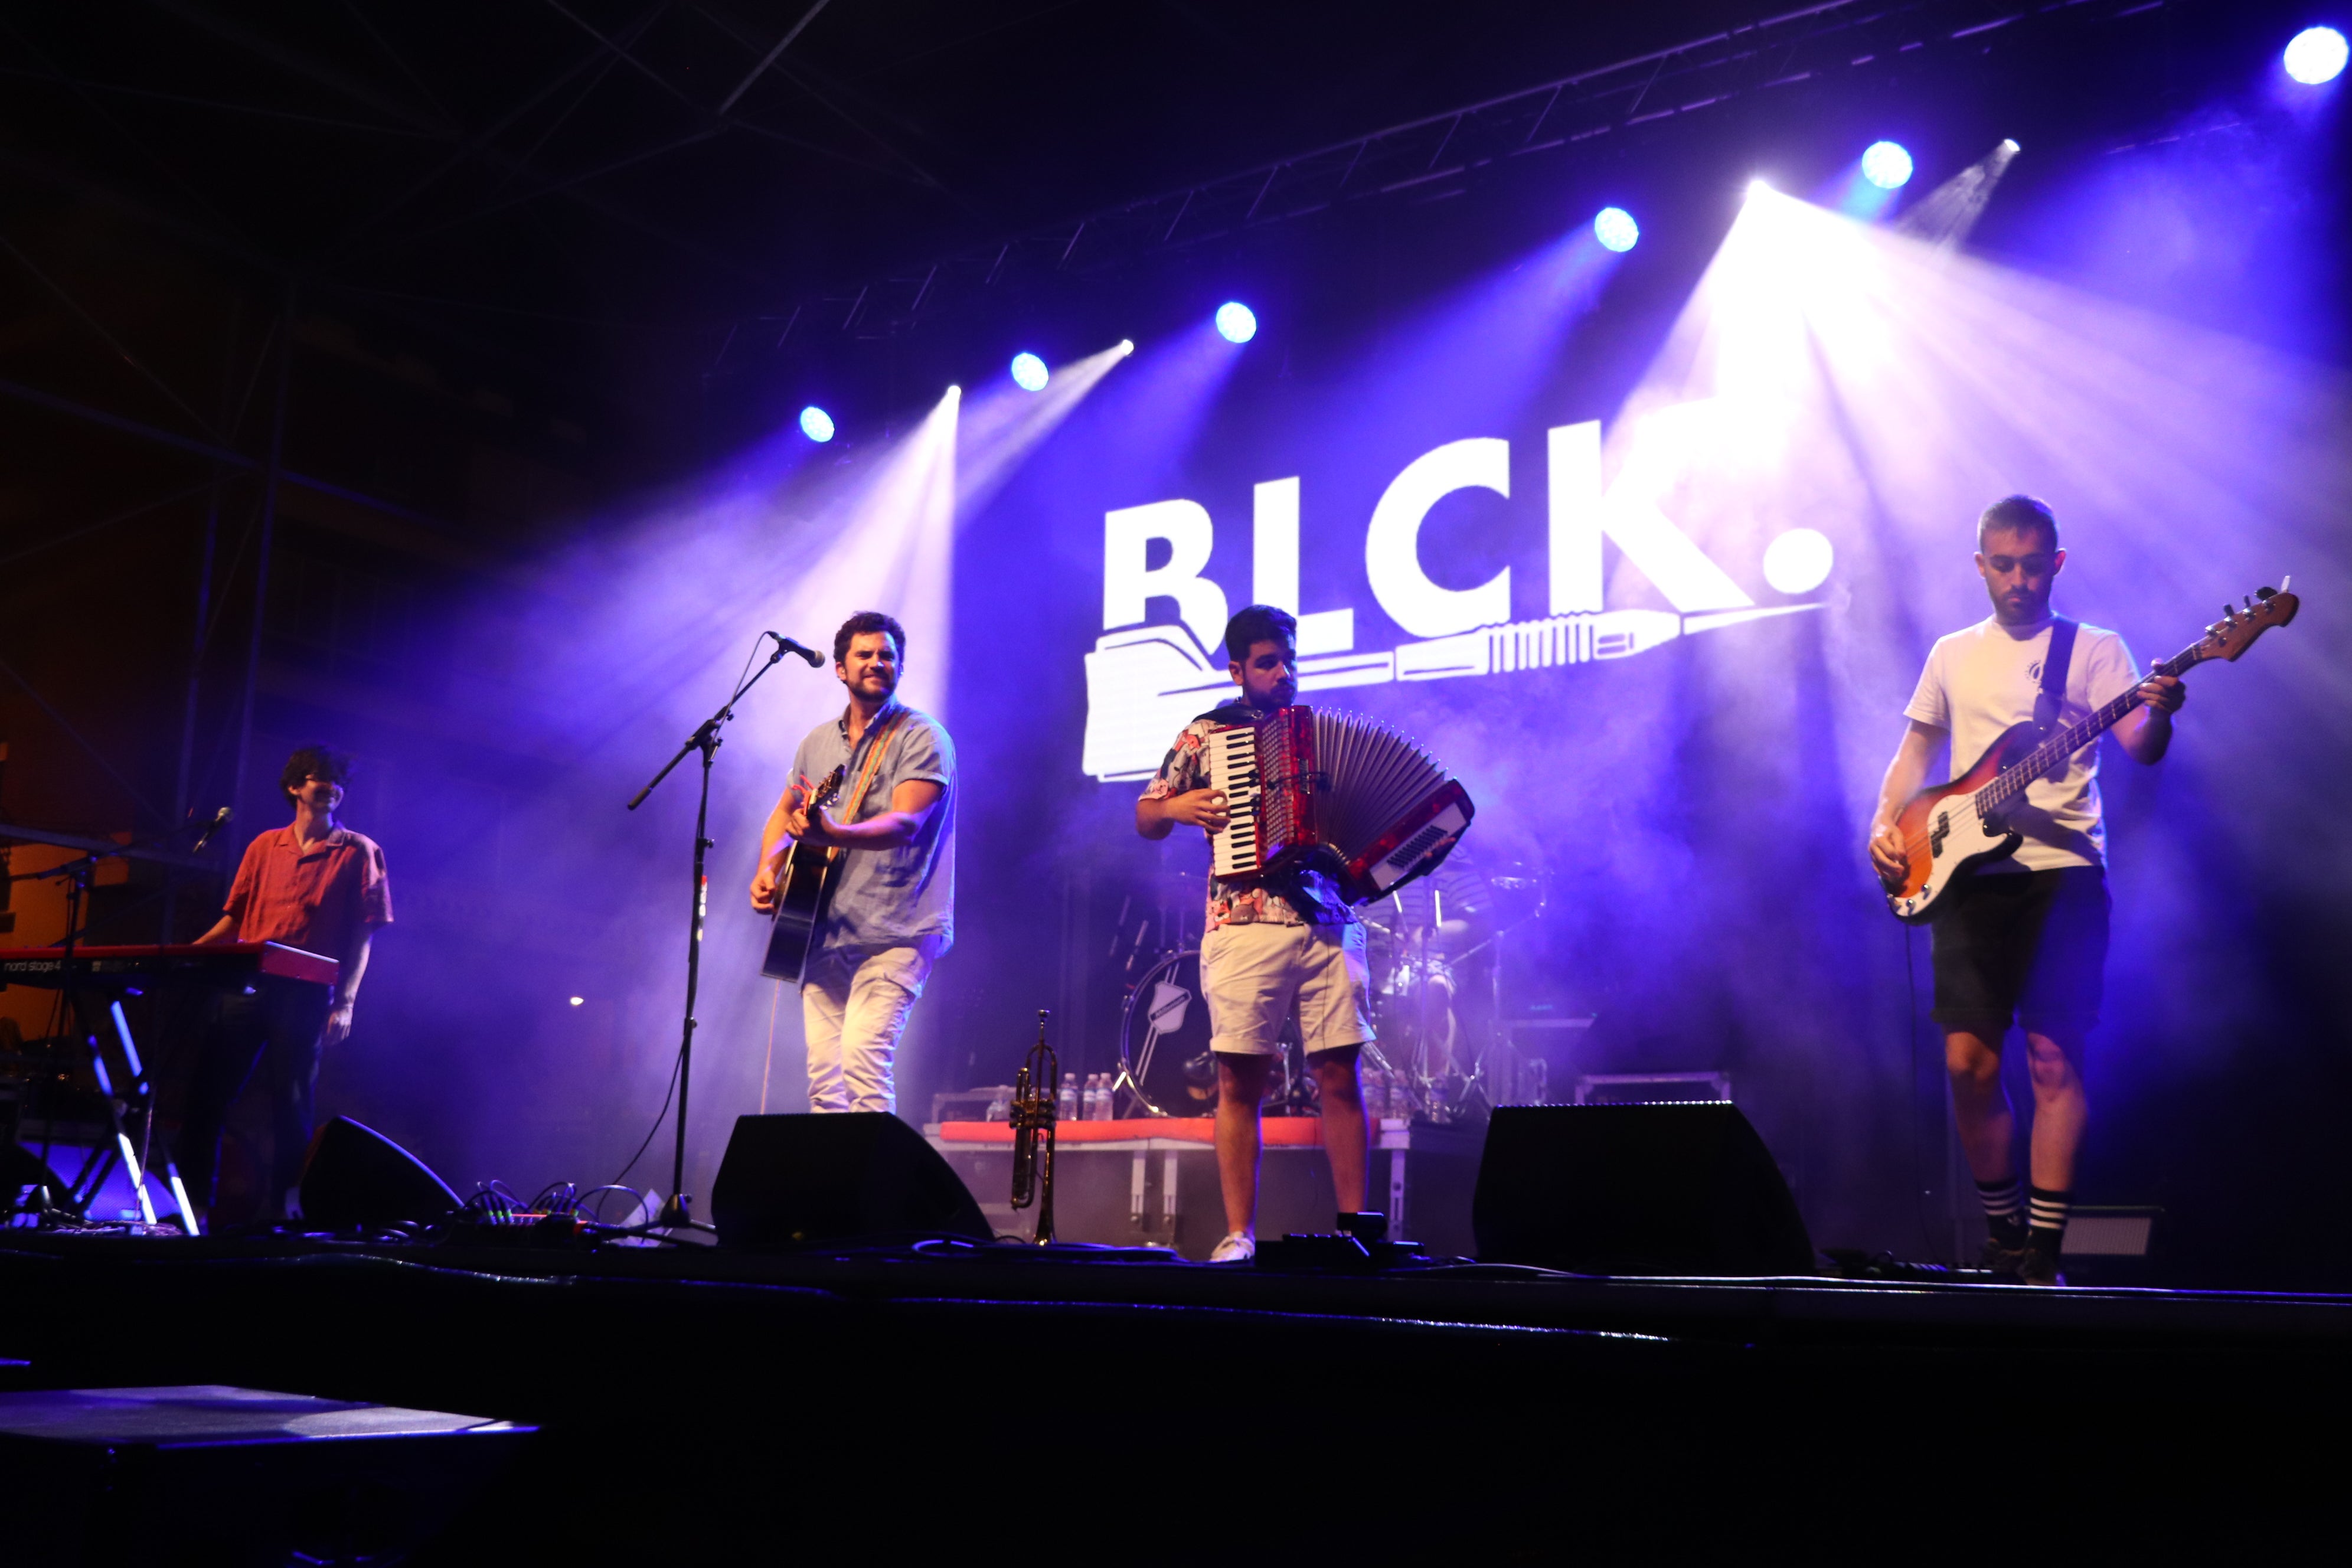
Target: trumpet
<point x="1034" y="1115"/>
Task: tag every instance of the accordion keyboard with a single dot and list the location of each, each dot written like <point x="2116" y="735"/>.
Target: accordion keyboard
<point x="1233" y="768"/>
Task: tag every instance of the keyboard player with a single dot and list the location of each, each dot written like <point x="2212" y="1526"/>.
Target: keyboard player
<point x="316" y="885"/>
<point x="1273" y="943"/>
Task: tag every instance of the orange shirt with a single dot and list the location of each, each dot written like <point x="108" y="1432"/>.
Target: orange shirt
<point x="318" y="899"/>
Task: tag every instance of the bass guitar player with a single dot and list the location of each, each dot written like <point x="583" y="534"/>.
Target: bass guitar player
<point x="2024" y="938"/>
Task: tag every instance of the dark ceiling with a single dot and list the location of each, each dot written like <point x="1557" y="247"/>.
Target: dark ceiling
<point x="642" y="160"/>
<point x="547" y="179"/>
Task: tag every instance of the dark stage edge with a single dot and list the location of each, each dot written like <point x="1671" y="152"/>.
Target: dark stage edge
<point x="704" y="1398"/>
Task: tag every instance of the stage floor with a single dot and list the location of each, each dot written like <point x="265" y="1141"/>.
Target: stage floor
<point x="932" y="1383"/>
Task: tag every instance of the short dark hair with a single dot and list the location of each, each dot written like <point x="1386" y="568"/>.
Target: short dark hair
<point x="2020" y="514"/>
<point x="320" y="758"/>
<point x="866" y="621"/>
<point x="1254" y="624"/>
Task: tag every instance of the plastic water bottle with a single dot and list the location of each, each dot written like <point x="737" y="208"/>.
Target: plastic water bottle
<point x="999" y="1107"/>
<point x="1094" y="1097"/>
<point x="1066" y="1108"/>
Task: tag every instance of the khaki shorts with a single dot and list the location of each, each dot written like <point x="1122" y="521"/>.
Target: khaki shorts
<point x="1251" y="973"/>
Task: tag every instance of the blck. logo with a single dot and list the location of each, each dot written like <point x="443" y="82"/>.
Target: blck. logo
<point x="1145" y="682"/>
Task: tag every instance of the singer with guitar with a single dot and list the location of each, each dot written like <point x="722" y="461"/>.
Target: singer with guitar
<point x="2021" y="939"/>
<point x="887" y="853"/>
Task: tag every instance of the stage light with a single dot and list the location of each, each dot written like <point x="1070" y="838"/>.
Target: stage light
<point x="579" y="1001"/>
<point x="816" y="425"/>
<point x="2010" y="146"/>
<point x="1886" y="165"/>
<point x="1029" y="373"/>
<point x="1760" y="187"/>
<point x="1126" y="346"/>
<point x="1615" y="229"/>
<point x="1799" y="561"/>
<point x="2315" y="55"/>
<point x="1236" y="323"/>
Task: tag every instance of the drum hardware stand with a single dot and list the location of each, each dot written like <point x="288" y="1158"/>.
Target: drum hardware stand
<point x="1034" y="1116"/>
<point x="677" y="1208"/>
<point x="1135" y="1095"/>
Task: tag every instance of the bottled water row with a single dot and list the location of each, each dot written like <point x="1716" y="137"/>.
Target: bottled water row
<point x="1088" y="1102"/>
<point x="1386" y="1097"/>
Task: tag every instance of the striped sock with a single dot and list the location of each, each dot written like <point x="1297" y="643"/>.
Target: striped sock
<point x="2047" y="1213"/>
<point x="2004" y="1205"/>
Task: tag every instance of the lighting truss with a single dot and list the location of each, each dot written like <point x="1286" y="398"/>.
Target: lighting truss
<point x="1439" y="153"/>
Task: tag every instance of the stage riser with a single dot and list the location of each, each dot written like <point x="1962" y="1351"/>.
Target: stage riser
<point x="1096" y="1195"/>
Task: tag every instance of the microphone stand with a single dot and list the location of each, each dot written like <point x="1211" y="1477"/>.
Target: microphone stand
<point x="676" y="1208"/>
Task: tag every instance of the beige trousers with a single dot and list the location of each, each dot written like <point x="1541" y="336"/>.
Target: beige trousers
<point x="854" y="1007"/>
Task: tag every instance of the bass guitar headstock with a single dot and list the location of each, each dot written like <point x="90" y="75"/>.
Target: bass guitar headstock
<point x="2235" y="632"/>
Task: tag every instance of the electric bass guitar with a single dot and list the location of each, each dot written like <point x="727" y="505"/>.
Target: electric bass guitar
<point x="804" y="890"/>
<point x="1948" y="830"/>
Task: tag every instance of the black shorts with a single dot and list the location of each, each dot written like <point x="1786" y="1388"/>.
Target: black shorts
<point x="2030" y="946"/>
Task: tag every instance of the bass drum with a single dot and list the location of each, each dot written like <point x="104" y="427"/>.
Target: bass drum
<point x="1164" y="1059"/>
<point x="1163" y="1040"/>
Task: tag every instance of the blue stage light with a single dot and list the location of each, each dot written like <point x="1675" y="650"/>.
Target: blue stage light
<point x="816" y="425"/>
<point x="1029" y="373"/>
<point x="1236" y="323"/>
<point x="1886" y="165"/>
<point x="1615" y="229"/>
<point x="2315" y="55"/>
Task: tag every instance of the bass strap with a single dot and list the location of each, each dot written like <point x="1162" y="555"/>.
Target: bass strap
<point x="2052" y="698"/>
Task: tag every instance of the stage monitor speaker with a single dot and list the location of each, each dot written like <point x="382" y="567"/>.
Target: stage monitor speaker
<point x="1684" y="1188"/>
<point x="355" y="1175"/>
<point x="792" y="1179"/>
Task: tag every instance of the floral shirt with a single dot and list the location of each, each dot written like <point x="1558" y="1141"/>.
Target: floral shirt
<point x="1296" y="896"/>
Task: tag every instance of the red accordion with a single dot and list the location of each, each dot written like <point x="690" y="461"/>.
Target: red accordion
<point x="1306" y="780"/>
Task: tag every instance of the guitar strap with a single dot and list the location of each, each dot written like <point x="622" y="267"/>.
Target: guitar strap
<point x="874" y="751"/>
<point x="2053" y="696"/>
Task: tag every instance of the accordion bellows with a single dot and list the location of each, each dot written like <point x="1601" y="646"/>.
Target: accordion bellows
<point x="1310" y="779"/>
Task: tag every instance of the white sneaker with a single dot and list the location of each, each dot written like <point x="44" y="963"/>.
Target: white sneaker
<point x="1239" y="1247"/>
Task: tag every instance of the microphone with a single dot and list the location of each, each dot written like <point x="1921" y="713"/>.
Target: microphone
<point x="788" y="645"/>
<point x="220" y="820"/>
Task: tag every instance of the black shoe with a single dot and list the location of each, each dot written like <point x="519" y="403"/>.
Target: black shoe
<point x="2005" y="1264"/>
<point x="2040" y="1268"/>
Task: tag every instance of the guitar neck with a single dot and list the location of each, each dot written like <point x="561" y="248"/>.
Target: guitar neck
<point x="2012" y="780"/>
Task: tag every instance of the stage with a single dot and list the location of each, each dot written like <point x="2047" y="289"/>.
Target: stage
<point x="477" y="474"/>
<point x="688" y="1395"/>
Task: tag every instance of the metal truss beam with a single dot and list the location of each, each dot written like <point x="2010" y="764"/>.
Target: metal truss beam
<point x="228" y="456"/>
<point x="1818" y="42"/>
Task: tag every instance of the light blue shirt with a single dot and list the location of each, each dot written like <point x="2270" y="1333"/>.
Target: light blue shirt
<point x="887" y="897"/>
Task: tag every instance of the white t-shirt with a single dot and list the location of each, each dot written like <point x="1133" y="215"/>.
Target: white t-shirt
<point x="1980" y="681"/>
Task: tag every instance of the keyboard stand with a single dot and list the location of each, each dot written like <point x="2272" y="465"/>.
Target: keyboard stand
<point x="136" y="1098"/>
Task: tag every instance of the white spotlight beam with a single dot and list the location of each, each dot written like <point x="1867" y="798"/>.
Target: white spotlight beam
<point x="1944" y="217"/>
<point x="1002" y="428"/>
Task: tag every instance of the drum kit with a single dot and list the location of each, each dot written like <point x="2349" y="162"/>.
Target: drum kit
<point x="1435" y="1001"/>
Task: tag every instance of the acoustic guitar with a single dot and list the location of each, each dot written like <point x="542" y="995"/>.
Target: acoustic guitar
<point x="804" y="890"/>
<point x="1950" y="829"/>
